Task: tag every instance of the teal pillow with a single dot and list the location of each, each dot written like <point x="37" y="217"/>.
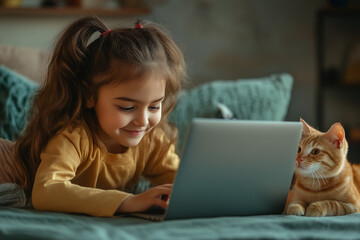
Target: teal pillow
<point x="264" y="98"/>
<point x="16" y="92"/>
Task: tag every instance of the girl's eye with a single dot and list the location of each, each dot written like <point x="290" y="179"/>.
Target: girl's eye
<point x="315" y="151"/>
<point x="155" y="108"/>
<point x="299" y="150"/>
<point x="126" y="108"/>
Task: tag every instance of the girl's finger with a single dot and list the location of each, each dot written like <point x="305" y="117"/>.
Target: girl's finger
<point x="161" y="191"/>
<point x="167" y="186"/>
<point x="161" y="203"/>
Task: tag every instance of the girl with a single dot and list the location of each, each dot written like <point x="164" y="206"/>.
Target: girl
<point x="100" y="121"/>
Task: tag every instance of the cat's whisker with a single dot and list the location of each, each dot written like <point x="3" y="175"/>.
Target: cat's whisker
<point x="317" y="178"/>
<point x="324" y="179"/>
<point x="317" y="175"/>
<point x="313" y="178"/>
<point x="321" y="176"/>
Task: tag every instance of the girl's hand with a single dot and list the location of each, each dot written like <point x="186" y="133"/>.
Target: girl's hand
<point x="143" y="201"/>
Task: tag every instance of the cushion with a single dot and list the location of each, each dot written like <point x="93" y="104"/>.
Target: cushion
<point x="264" y="98"/>
<point x="16" y="92"/>
<point x="26" y="61"/>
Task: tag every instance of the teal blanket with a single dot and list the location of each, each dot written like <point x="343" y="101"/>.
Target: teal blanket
<point x="31" y="224"/>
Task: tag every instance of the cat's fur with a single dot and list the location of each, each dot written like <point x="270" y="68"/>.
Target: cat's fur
<point x="326" y="183"/>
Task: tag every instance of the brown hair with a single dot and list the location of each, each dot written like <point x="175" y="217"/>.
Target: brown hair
<point x="78" y="69"/>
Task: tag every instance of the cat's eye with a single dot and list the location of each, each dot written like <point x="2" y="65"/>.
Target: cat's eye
<point x="315" y="151"/>
<point x="299" y="150"/>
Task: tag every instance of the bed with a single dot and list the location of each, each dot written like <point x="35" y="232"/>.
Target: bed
<point x="16" y="223"/>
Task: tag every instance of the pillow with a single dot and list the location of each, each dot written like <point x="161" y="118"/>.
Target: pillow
<point x="16" y="93"/>
<point x="264" y="98"/>
<point x="26" y="61"/>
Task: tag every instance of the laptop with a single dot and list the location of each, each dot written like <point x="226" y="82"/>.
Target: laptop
<point x="232" y="168"/>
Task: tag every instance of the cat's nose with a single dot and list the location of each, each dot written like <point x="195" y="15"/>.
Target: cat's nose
<point x="298" y="159"/>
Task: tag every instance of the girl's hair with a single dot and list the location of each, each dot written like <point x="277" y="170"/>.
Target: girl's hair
<point x="78" y="69"/>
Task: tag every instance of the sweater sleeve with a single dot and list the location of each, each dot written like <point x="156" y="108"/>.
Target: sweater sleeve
<point x="53" y="189"/>
<point x="163" y="162"/>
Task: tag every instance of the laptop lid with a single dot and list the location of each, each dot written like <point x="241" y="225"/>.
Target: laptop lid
<point x="234" y="168"/>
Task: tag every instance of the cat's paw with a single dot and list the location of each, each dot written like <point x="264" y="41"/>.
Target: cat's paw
<point x="295" y="209"/>
<point x="314" y="210"/>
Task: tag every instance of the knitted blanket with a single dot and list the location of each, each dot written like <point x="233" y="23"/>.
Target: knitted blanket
<point x="16" y="92"/>
<point x="12" y="195"/>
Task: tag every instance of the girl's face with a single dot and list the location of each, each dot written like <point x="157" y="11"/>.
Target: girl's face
<point x="127" y="111"/>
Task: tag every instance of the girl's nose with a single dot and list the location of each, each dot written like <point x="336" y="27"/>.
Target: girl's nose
<point x="141" y="119"/>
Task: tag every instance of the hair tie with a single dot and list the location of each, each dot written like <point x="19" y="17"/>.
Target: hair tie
<point x="103" y="34"/>
<point x="138" y="26"/>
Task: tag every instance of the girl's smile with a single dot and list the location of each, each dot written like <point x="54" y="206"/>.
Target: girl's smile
<point x="135" y="133"/>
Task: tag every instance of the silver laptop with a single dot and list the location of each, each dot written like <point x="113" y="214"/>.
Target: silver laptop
<point x="233" y="168"/>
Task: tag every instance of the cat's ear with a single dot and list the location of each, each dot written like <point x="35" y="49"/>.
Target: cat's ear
<point x="306" y="128"/>
<point x="336" y="135"/>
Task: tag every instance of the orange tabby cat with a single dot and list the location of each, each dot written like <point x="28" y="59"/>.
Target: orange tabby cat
<point x="326" y="183"/>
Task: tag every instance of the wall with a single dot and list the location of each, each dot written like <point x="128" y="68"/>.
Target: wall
<point x="247" y="38"/>
<point x="227" y="39"/>
<point x="40" y="32"/>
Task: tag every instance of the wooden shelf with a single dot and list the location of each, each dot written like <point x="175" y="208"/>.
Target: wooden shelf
<point x="339" y="11"/>
<point x="337" y="85"/>
<point x="74" y="11"/>
<point x="331" y="80"/>
<point x="341" y="84"/>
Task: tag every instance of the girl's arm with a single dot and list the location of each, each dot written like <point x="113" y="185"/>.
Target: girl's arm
<point x="53" y="187"/>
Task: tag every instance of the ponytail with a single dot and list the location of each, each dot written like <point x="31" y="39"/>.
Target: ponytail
<point x="60" y="99"/>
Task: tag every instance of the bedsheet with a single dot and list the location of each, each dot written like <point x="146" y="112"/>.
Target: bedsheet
<point x="16" y="223"/>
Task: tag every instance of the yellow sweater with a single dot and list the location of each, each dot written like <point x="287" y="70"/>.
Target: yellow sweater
<point x="77" y="176"/>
